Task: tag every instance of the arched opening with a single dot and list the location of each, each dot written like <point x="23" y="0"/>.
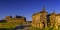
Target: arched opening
<point x="44" y="24"/>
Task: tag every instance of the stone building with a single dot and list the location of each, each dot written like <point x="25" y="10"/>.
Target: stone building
<point x="39" y="19"/>
<point x="53" y="20"/>
<point x="16" y="19"/>
<point x="43" y="19"/>
<point x="13" y="21"/>
<point x="58" y="18"/>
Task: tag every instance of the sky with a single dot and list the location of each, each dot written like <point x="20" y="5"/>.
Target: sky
<point x="27" y="7"/>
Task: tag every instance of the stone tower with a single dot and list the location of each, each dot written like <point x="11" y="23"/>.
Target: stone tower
<point x="53" y="20"/>
<point x="39" y="19"/>
<point x="44" y="17"/>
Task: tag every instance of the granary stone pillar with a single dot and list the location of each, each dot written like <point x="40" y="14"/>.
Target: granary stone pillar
<point x="45" y="25"/>
<point x="51" y="25"/>
<point x="56" y="25"/>
<point x="38" y="25"/>
<point x="41" y="25"/>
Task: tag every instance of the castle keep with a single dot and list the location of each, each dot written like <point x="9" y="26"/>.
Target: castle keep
<point x="43" y="19"/>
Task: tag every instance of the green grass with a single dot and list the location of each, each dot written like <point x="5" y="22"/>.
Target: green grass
<point x="8" y="25"/>
<point x="33" y="28"/>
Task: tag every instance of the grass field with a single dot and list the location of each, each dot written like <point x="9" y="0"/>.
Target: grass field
<point x="8" y="25"/>
<point x="33" y="28"/>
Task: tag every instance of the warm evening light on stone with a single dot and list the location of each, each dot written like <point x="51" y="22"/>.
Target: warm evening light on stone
<point x="29" y="14"/>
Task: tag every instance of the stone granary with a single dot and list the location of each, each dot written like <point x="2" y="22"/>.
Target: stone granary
<point x="43" y="19"/>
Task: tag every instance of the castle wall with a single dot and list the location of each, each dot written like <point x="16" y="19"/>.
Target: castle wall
<point x="12" y="22"/>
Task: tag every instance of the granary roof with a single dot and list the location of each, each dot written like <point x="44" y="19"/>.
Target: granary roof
<point x="58" y="14"/>
<point x="43" y="10"/>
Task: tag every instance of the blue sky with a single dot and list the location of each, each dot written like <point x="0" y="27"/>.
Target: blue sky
<point x="27" y="7"/>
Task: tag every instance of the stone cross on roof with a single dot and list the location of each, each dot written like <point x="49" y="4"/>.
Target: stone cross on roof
<point x="43" y="9"/>
<point x="53" y="12"/>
